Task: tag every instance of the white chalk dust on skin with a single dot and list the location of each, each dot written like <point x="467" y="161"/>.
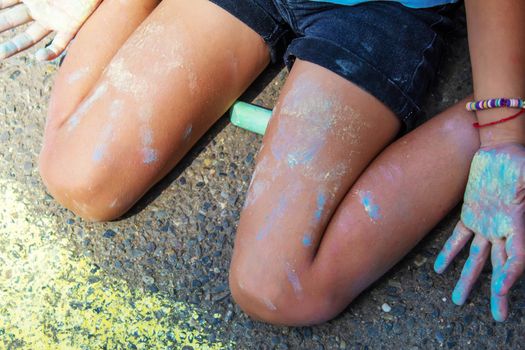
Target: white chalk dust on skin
<point x="309" y="119"/>
<point x="188" y="132"/>
<point x="122" y="79"/>
<point x="269" y="304"/>
<point x="169" y="57"/>
<point x="79" y="74"/>
<point x="81" y="111"/>
<point x="145" y="35"/>
<point x="389" y="172"/>
<point x="146" y="112"/>
<point x="107" y="136"/>
<point x="114" y="203"/>
<point x="293" y="278"/>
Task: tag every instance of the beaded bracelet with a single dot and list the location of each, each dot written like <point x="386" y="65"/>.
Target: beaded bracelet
<point x="495" y="103"/>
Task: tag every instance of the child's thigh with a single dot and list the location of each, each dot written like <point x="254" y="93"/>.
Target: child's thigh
<point x="171" y="80"/>
<point x="324" y="132"/>
<point x="96" y="43"/>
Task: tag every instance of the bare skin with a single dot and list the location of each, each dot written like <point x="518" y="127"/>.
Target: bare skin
<point x="138" y="120"/>
<point x="301" y="259"/>
<point x="330" y="208"/>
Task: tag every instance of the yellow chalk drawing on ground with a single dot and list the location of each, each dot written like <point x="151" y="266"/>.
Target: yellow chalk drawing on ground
<point x="52" y="299"/>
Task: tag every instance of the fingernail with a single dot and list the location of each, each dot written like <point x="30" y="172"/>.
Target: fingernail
<point x="45" y="54"/>
<point x="439" y="264"/>
<point x="42" y="54"/>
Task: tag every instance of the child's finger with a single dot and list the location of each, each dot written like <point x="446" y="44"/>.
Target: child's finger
<point x="515" y="265"/>
<point x="499" y="305"/>
<point x="479" y="252"/>
<point x="452" y="247"/>
<point x="57" y="46"/>
<point x="22" y="41"/>
<point x="14" y="17"/>
<point x="8" y="3"/>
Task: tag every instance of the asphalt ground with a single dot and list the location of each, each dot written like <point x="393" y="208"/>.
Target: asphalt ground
<point x="158" y="277"/>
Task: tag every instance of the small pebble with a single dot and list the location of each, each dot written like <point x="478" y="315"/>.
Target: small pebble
<point x="386" y="308"/>
<point x="420" y="261"/>
<point x="109" y="234"/>
<point x="398" y="310"/>
<point x="150" y="247"/>
<point x="15" y="75"/>
<point x="153" y="288"/>
<point x="148" y="280"/>
<point x="137" y="253"/>
<point x="4" y="136"/>
<point x="440" y="337"/>
<point x="28" y="167"/>
<point x="249" y="158"/>
<point x="229" y="316"/>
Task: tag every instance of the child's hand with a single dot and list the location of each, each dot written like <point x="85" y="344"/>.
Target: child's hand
<point x="493" y="211"/>
<point x="65" y="17"/>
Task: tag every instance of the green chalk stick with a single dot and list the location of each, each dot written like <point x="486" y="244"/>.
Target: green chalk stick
<point x="250" y="117"/>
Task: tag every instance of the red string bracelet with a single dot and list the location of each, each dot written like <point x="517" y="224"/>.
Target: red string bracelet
<point x="478" y="125"/>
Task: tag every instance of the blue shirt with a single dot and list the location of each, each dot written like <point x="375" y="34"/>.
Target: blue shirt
<point x="408" y="3"/>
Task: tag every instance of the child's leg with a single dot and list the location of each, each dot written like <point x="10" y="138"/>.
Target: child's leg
<point x="311" y="237"/>
<point x="170" y="81"/>
<point x="96" y="43"/>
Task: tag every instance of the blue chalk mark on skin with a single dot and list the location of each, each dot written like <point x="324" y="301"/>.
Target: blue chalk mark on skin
<point x="150" y="155"/>
<point x="271" y="218"/>
<point x="497" y="313"/>
<point x="98" y="154"/>
<point x="102" y="146"/>
<point x="500" y="282"/>
<point x="188" y="131"/>
<point x="307" y="240"/>
<point x="321" y="201"/>
<point x="457" y="295"/>
<point x="493" y="180"/>
<point x="496" y="306"/>
<point x="147" y="137"/>
<point x="302" y="157"/>
<point x="371" y="208"/>
<point x="440" y="262"/>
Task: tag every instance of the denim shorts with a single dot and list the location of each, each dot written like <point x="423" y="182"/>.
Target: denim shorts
<point x="389" y="50"/>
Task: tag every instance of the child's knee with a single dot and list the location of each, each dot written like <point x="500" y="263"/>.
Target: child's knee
<point x="88" y="192"/>
<point x="92" y="192"/>
<point x="282" y="297"/>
